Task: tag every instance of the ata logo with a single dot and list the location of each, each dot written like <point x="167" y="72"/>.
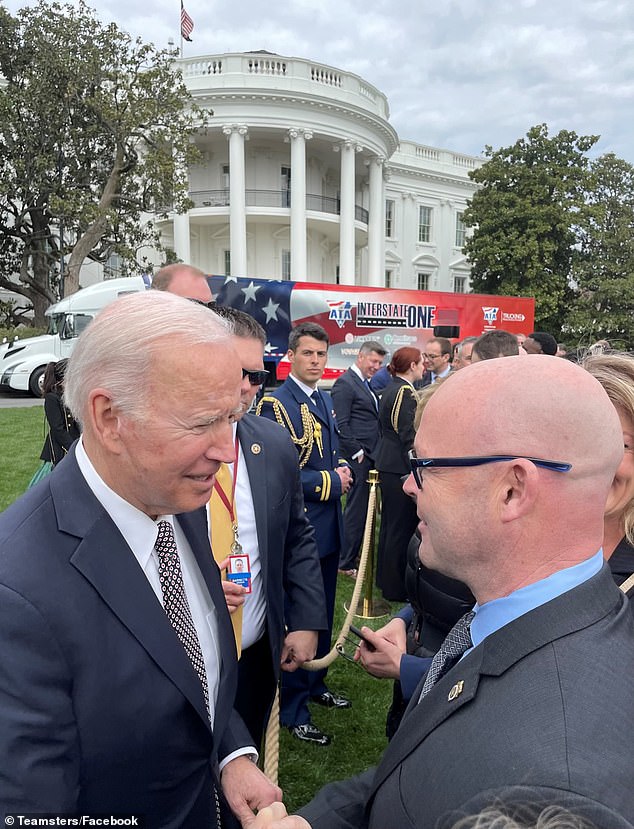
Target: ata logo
<point x="490" y="313"/>
<point x="340" y="312"/>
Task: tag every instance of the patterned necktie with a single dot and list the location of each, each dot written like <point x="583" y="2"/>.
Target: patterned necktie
<point x="457" y="642"/>
<point x="175" y="601"/>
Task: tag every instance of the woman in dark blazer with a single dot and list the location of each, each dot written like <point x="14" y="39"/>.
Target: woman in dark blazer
<point x="63" y="430"/>
<point x="398" y="511"/>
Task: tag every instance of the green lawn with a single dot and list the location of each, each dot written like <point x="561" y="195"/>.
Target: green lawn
<point x="22" y="434"/>
<point x="358" y="733"/>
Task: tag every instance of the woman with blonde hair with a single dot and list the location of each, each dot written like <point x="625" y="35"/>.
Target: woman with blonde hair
<point x="615" y="372"/>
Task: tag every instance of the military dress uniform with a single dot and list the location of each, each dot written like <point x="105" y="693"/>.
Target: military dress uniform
<point x="312" y="427"/>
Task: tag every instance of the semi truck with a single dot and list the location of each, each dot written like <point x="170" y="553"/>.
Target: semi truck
<point x="351" y="314"/>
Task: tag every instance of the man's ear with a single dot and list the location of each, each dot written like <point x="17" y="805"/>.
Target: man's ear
<point x="105" y="420"/>
<point x="518" y="490"/>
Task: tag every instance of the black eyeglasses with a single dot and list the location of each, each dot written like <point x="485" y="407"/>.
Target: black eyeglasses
<point x="211" y="304"/>
<point x="477" y="460"/>
<point x="256" y="378"/>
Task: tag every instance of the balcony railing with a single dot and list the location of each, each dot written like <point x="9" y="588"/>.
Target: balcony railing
<point x="275" y="198"/>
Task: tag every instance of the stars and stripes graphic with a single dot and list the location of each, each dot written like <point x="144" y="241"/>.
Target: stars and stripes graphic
<point x="187" y="24"/>
<point x="266" y="300"/>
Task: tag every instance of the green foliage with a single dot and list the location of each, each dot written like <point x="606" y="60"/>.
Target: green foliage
<point x="95" y="131"/>
<point x="22" y="333"/>
<point x="523" y="220"/>
<point x="604" y="268"/>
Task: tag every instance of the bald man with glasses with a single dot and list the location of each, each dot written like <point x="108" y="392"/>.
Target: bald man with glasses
<point x="531" y="697"/>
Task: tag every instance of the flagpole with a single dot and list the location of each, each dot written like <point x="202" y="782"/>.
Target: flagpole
<point x="180" y="28"/>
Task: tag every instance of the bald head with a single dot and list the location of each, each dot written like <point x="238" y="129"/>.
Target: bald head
<point x="542" y="407"/>
<point x="518" y="521"/>
<point x="183" y="280"/>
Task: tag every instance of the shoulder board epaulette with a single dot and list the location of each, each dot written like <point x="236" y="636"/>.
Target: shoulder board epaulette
<point x="396" y="408"/>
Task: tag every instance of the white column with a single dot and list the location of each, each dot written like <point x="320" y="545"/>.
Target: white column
<point x="298" y="139"/>
<point x="346" y="217"/>
<point x="181" y="238"/>
<point x="376" y="224"/>
<point x="237" y="199"/>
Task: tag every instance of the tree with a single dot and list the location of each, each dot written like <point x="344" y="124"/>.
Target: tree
<point x="604" y="270"/>
<point x="95" y="132"/>
<point x="523" y="218"/>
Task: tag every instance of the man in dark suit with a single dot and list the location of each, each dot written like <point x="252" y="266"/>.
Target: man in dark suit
<point x="539" y="673"/>
<point x="278" y="538"/>
<point x="119" y="665"/>
<point x="306" y="412"/>
<point x="357" y="410"/>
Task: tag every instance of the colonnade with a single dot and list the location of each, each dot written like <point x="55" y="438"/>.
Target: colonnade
<point x="237" y="134"/>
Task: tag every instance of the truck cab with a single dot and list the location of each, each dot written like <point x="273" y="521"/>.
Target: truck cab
<point x="23" y="362"/>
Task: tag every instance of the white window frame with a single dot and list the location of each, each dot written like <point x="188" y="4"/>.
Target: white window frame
<point x="423" y="280"/>
<point x="425" y="228"/>
<point x="461" y="230"/>
<point x="390" y="215"/>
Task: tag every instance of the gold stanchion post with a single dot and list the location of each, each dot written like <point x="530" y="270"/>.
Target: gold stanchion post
<point x="371" y="608"/>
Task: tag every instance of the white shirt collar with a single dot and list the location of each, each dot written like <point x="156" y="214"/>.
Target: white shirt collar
<point x="137" y="528"/>
<point x="306" y="389"/>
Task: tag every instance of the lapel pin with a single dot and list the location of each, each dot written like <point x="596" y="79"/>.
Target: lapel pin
<point x="455" y="691"/>
<point x="256" y="448"/>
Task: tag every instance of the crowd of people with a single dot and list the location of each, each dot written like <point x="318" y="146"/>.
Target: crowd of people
<point x="180" y="560"/>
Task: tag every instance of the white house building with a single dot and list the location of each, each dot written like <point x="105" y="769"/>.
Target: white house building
<point x="303" y="177"/>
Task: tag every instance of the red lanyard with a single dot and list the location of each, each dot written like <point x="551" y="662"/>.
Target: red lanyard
<point x="223" y="495"/>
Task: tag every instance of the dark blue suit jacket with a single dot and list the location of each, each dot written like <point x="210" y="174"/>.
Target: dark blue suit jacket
<point x="357" y="413"/>
<point x="320" y="483"/>
<point x="286" y="540"/>
<point x="100" y="708"/>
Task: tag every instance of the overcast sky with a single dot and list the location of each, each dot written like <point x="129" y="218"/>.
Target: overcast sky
<point x="458" y="74"/>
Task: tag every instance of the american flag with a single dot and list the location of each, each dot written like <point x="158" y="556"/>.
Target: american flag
<point x="187" y="24"/>
<point x="267" y="300"/>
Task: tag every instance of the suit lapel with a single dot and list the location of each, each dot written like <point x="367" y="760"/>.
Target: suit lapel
<point x="300" y="397"/>
<point x="364" y="389"/>
<point x="577" y="608"/>
<point x="458" y="687"/>
<point x="106" y="561"/>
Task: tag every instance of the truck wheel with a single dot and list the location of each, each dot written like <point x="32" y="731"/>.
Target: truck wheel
<point x="35" y="381"/>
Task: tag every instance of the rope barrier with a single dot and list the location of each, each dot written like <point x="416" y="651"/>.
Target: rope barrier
<point x="272" y="743"/>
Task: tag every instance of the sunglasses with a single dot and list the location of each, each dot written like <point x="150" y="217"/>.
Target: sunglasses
<point x="417" y="464"/>
<point x="256" y="378"/>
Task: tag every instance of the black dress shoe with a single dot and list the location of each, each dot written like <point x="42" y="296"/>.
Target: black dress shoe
<point x="309" y="733"/>
<point x="330" y="700"/>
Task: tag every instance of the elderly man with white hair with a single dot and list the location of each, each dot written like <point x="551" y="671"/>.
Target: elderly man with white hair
<point x="119" y="663"/>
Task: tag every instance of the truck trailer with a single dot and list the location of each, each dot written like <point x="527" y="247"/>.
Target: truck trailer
<point x="351" y="314"/>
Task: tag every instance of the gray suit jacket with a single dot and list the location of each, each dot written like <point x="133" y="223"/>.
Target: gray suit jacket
<point x="545" y="712"/>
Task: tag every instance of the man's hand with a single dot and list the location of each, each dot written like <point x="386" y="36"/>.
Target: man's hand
<point x="346" y="477"/>
<point x="299" y="646"/>
<point x="247" y="789"/>
<point x="275" y="816"/>
<point x="234" y="593"/>
<point x="360" y="457"/>
<point x="382" y="656"/>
